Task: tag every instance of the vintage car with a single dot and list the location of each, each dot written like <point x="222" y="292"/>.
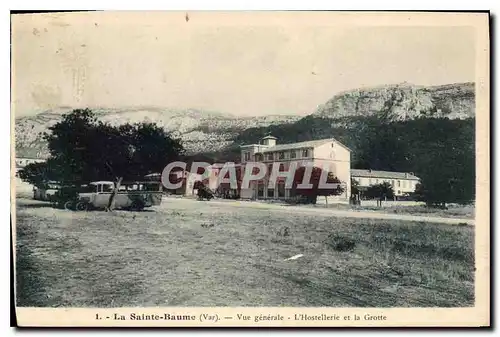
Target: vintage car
<point x="46" y="191"/>
<point x="131" y="195"/>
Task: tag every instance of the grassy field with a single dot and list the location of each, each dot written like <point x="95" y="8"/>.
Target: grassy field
<point x="191" y="253"/>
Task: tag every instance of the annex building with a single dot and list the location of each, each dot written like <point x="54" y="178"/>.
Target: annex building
<point x="402" y="182"/>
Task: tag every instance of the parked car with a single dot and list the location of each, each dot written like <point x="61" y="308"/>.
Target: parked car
<point x="46" y="191"/>
<point x="131" y="195"/>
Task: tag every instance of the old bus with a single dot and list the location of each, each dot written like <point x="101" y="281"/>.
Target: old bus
<point x="131" y="195"/>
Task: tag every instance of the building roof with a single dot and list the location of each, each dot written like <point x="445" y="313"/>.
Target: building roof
<point x="301" y="145"/>
<point x="104" y="182"/>
<point x="383" y="174"/>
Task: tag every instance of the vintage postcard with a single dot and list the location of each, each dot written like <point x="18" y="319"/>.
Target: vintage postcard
<point x="242" y="169"/>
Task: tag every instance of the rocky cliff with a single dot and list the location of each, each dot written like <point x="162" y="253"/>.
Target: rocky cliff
<point x="403" y="101"/>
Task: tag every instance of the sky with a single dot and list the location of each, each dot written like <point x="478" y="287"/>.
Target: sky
<point x="242" y="64"/>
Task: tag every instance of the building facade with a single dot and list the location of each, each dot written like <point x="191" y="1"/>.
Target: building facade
<point x="327" y="154"/>
<point x="402" y="182"/>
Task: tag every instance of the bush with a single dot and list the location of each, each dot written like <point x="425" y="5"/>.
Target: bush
<point x="341" y="243"/>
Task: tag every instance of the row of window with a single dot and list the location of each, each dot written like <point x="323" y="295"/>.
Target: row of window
<point x="394" y="183"/>
<point x="305" y="153"/>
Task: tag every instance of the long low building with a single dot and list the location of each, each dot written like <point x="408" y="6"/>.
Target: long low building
<point x="401" y="182"/>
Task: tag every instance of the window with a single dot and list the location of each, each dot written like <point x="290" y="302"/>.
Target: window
<point x="282" y="167"/>
<point x="269" y="169"/>
<point x="305" y="153"/>
<point x="399" y="192"/>
<point x="293" y="154"/>
<point x="155" y="187"/>
<point x="247" y="156"/>
<point x="399" y="183"/>
<point x="88" y="189"/>
<point x="392" y="183"/>
<point x="269" y="156"/>
<point x="281" y="155"/>
<point x="258" y="157"/>
<point x="107" y="188"/>
<point x="270" y="193"/>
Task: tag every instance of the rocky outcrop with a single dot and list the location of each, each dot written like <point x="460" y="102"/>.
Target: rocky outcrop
<point x="403" y="101"/>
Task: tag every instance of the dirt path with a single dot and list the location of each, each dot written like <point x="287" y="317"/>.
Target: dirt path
<point x="319" y="211"/>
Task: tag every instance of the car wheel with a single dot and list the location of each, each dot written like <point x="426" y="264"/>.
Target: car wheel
<point x="82" y="206"/>
<point x="69" y="205"/>
<point x="137" y="206"/>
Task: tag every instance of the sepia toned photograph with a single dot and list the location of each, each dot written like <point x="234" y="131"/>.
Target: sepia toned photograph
<point x="238" y="168"/>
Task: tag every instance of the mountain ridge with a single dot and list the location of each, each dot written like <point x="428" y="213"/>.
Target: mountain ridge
<point x="203" y="130"/>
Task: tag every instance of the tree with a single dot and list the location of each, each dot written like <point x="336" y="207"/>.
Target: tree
<point x="85" y="149"/>
<point x="38" y="174"/>
<point x="355" y="192"/>
<point x="444" y="158"/>
<point x="355" y="187"/>
<point x="311" y="194"/>
<point x="380" y="191"/>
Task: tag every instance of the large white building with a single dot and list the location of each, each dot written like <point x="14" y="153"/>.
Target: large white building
<point x="328" y="154"/>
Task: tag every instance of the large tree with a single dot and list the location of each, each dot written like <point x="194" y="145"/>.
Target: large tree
<point x="85" y="149"/>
